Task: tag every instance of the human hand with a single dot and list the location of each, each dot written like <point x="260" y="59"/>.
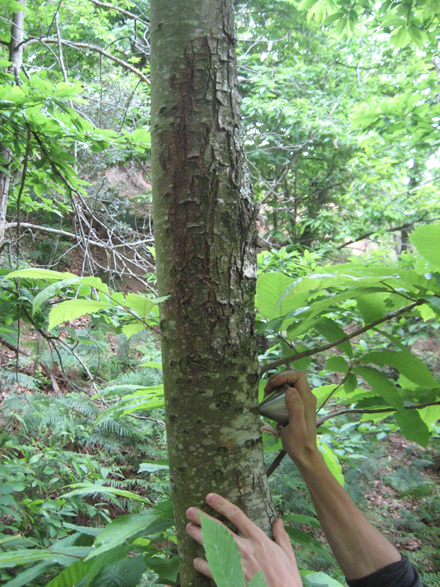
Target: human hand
<point x="258" y="551"/>
<point x="299" y="436"/>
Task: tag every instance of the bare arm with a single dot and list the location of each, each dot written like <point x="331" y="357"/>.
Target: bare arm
<point x="359" y="548"/>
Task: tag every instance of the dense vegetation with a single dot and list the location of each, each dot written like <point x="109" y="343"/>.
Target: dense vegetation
<point x="341" y="111"/>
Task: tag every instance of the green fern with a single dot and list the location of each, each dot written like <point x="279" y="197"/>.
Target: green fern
<point x="431" y="579"/>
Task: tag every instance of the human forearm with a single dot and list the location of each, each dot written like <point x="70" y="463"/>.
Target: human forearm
<point x="359" y="548"/>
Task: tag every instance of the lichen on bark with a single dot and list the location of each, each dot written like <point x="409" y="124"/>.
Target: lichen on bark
<point x="205" y="236"/>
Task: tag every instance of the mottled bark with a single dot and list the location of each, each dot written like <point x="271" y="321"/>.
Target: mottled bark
<point x="16" y="58"/>
<point x="205" y="238"/>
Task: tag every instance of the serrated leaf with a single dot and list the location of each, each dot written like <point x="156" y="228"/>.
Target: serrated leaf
<point x="222" y="554"/>
<point x="412" y="426"/>
<point x="332" y="332"/>
<point x="381" y="385"/>
<point x="426" y="239"/>
<point x="131" y="329"/>
<point x="71" y="309"/>
<point x="406" y="363"/>
<point x="140" y="304"/>
<point x="39" y="274"/>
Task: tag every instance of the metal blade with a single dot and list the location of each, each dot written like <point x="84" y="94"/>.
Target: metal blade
<point x="274" y="406"/>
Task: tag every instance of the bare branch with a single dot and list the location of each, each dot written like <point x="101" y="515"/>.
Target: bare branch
<point x="88" y="46"/>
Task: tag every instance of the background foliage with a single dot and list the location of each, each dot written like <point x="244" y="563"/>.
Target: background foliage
<point x="341" y="110"/>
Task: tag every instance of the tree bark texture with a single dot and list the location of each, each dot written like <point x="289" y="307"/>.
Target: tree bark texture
<point x="205" y="237"/>
<point x="16" y="59"/>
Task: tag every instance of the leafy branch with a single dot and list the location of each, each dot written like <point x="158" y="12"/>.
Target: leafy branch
<point x="330" y="345"/>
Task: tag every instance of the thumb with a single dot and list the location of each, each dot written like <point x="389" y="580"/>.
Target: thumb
<point x="281" y="537"/>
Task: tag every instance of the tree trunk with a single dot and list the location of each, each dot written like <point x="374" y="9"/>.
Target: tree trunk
<point x="16" y="58"/>
<point x="205" y="236"/>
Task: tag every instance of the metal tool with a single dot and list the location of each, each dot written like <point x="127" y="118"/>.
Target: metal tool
<point x="274" y="406"/>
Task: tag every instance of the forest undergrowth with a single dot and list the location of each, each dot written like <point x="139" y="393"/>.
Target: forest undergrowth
<point x="62" y="466"/>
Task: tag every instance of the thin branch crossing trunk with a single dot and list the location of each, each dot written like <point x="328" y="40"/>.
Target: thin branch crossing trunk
<point x="205" y="237"/>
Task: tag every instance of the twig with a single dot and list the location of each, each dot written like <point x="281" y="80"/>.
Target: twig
<point x="95" y="48"/>
<point x="372" y="411"/>
<point x="330" y="345"/>
<point x="121" y="10"/>
<point x="26" y="353"/>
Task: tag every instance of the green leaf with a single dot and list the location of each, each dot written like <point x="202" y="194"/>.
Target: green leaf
<point x="306" y="4"/>
<point x="258" y="580"/>
<point x="131" y="329"/>
<point x="95" y="489"/>
<point x="153" y="365"/>
<point x="332" y="332"/>
<point x="302" y="519"/>
<point x="51" y="291"/>
<point x="124" y="573"/>
<point x="332" y="462"/>
<point x="406" y="363"/>
<point x="222" y="554"/>
<point x="71" y="575"/>
<point x="412" y="426"/>
<point x="372" y="306"/>
<point x="270" y="287"/>
<point x="152" y="468"/>
<point x="26" y="556"/>
<point x="304" y="539"/>
<point x="320" y="580"/>
<point x="105" y="559"/>
<point x="40" y="274"/>
<point x="426" y="239"/>
<point x="166" y="568"/>
<point x="29" y="575"/>
<point x="140" y="304"/>
<point x="71" y="309"/>
<point x="122" y="529"/>
<point x="381" y="385"/>
<point x="350" y="383"/>
<point x="338" y="364"/>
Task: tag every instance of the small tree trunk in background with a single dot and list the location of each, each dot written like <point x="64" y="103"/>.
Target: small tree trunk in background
<point x="205" y="237"/>
<point x="16" y="58"/>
